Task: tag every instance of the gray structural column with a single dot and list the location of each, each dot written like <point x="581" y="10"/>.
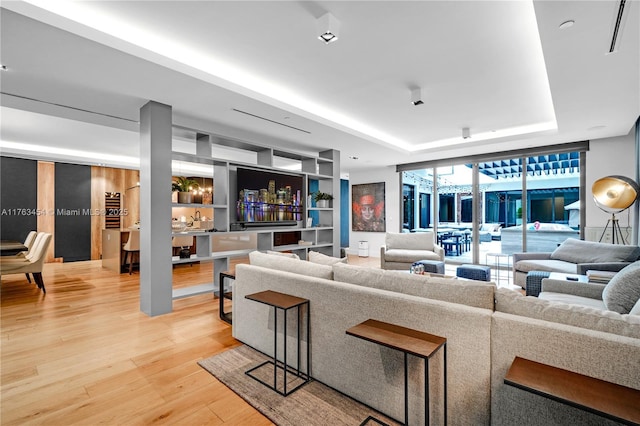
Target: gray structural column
<point x="156" y="297"/>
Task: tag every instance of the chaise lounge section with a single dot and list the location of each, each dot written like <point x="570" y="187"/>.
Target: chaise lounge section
<point x="574" y="257"/>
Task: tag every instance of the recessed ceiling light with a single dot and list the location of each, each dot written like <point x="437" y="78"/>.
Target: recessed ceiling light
<point x="328" y="27"/>
<point x="353" y="157"/>
<point x="416" y="97"/>
<point x="567" y="24"/>
<point x="3" y="67"/>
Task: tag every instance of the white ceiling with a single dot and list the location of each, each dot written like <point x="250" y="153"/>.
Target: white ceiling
<point x="496" y="67"/>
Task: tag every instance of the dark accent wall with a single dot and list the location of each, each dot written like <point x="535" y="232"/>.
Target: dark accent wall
<point x="18" y="198"/>
<point x="73" y="207"/>
<point x="345" y="212"/>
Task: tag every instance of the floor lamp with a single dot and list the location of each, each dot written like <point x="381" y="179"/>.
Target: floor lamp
<point x="614" y="194"/>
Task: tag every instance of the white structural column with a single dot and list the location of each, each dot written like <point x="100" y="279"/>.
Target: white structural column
<point x="155" y="209"/>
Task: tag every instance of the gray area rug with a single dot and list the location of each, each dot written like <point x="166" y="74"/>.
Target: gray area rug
<point x="312" y="404"/>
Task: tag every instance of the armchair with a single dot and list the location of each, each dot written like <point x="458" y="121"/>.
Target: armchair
<point x="402" y="249"/>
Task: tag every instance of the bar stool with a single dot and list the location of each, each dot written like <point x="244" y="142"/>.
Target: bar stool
<point x="132" y="246"/>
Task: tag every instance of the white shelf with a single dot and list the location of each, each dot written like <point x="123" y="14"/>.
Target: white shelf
<point x="191" y="232"/>
<point x="196" y="205"/>
<point x="177" y="260"/>
<point x="179" y="293"/>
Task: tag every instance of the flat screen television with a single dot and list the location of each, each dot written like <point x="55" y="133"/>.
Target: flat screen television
<point x="267" y="197"/>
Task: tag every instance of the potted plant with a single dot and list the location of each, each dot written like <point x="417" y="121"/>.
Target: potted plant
<point x="322" y="199"/>
<point x="184" y="186"/>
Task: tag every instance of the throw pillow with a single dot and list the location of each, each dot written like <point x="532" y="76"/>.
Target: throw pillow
<point x="323" y="259"/>
<point x="286" y="264"/>
<point x="623" y="291"/>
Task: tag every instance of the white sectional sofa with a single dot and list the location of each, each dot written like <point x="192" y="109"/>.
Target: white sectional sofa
<point x="485" y="329"/>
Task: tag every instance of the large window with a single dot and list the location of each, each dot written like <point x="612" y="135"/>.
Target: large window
<point x="525" y="203"/>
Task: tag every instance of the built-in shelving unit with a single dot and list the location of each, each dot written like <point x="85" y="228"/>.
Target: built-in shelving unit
<point x="322" y="236"/>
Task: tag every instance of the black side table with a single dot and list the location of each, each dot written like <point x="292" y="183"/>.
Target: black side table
<point x="285" y="302"/>
<point x="407" y="341"/>
<point x="225" y="316"/>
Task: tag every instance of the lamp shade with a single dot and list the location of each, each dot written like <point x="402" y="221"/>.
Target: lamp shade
<point x="614" y="194"/>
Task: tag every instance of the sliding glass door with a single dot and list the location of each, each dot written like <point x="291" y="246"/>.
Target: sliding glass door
<point x="528" y="203"/>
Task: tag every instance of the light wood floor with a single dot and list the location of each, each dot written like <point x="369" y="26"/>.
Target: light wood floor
<point x="84" y="354"/>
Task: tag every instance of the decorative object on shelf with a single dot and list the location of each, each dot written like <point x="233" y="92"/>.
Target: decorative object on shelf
<point x="184" y="186"/>
<point x="322" y="199"/>
<point x="207" y="197"/>
<point x="178" y="226"/>
<point x="368" y="213"/>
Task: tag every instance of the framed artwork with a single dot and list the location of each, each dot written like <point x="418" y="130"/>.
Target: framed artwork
<point x="367" y="207"/>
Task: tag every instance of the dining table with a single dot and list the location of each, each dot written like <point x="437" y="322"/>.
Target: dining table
<point x="11" y="248"/>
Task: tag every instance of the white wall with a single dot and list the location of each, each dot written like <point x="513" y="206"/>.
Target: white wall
<point x="391" y="178"/>
<point x="606" y="157"/>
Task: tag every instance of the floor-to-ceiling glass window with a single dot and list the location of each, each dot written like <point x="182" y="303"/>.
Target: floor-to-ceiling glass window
<point x="508" y="220"/>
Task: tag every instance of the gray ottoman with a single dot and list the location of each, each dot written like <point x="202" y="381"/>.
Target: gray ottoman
<point x="534" y="282"/>
<point x="474" y="272"/>
<point x="433" y="266"/>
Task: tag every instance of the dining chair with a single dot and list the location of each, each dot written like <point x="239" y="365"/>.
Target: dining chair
<point x="131" y="247"/>
<point x="32" y="262"/>
<point x="28" y="243"/>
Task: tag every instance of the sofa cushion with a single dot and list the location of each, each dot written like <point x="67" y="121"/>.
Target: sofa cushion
<point x="636" y="309"/>
<point x="623" y="291"/>
<point x="579" y="251"/>
<point x="572" y="299"/>
<point x="288" y="264"/>
<point x="466" y="292"/>
<point x="323" y="259"/>
<point x="546" y="265"/>
<point x="415" y="241"/>
<point x="284" y="254"/>
<point x="409" y="256"/>
<point x="513" y="302"/>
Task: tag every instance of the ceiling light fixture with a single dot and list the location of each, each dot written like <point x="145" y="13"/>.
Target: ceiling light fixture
<point x="567" y="24"/>
<point x="466" y="133"/>
<point x="328" y="27"/>
<point x="3" y="67"/>
<point x="416" y="97"/>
